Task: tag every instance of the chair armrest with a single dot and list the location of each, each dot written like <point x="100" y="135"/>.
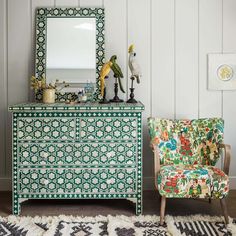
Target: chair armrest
<point x="227" y="157"/>
<point x="156" y="159"/>
<point x="157" y="165"/>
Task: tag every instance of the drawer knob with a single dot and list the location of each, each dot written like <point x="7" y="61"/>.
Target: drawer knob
<point x="45" y="155"/>
<point x="45" y="182"/>
<point x="108" y="154"/>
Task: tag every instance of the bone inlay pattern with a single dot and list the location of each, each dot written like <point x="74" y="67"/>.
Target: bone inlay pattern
<point x="77" y="153"/>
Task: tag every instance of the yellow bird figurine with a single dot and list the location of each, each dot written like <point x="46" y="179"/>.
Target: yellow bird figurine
<point x="103" y="73"/>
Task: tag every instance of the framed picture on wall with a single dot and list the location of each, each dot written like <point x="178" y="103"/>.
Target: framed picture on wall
<point x="222" y="71"/>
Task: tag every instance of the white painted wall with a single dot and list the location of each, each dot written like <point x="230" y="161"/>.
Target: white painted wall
<point x="172" y="39"/>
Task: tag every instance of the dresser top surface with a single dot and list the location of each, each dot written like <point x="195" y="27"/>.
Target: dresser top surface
<point x="75" y="107"/>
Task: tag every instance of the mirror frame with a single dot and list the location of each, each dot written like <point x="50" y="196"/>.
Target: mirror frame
<point x="41" y="45"/>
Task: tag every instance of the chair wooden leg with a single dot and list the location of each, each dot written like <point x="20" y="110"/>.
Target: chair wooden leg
<point x="224" y="209"/>
<point x="162" y="211"/>
<point x="209" y="200"/>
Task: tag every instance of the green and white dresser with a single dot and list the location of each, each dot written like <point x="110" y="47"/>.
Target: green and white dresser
<point x="84" y="151"/>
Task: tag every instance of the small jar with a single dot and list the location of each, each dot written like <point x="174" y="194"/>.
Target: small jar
<point x="84" y="98"/>
<point x="49" y="96"/>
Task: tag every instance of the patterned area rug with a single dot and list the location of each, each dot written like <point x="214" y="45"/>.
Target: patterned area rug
<point x="115" y="226"/>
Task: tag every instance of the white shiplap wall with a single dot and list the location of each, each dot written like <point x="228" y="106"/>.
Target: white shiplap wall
<point x="172" y="39"/>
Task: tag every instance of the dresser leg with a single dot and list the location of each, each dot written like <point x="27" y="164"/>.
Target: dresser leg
<point x="16" y="206"/>
<point x="139" y="206"/>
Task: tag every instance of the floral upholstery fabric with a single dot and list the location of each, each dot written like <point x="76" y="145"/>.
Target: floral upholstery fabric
<point x="192" y="181"/>
<point x="187" y="142"/>
<point x="188" y="151"/>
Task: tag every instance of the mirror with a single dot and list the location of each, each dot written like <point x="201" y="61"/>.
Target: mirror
<point x="70" y="47"/>
<point x="71" y="50"/>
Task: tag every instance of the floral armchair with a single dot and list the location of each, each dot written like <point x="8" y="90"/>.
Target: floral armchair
<point x="185" y="153"/>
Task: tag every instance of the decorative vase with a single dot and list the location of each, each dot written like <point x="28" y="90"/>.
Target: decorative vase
<point x="49" y="96"/>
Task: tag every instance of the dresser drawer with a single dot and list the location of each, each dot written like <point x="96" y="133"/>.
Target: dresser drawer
<point x="46" y="128"/>
<point x="108" y="128"/>
<point x="77" y="153"/>
<point x="81" y="180"/>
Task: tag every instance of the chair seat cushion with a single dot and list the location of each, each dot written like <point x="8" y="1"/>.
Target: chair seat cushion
<point x="192" y="181"/>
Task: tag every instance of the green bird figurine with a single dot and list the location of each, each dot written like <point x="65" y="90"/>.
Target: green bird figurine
<point x="117" y="72"/>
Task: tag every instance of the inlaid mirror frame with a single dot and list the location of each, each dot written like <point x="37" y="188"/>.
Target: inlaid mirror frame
<point x="41" y="34"/>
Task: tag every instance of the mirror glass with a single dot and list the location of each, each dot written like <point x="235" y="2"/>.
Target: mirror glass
<point x="71" y="50"/>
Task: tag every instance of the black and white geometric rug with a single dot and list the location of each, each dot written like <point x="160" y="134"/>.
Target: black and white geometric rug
<point x="115" y="226"/>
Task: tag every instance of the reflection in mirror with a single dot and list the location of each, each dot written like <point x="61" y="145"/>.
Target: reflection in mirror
<point x="71" y="50"/>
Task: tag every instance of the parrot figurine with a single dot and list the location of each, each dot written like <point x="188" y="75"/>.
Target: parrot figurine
<point x="117" y="71"/>
<point x="106" y="68"/>
<point x="133" y="64"/>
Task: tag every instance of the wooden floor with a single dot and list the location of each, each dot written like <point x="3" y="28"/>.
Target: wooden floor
<point x="151" y="204"/>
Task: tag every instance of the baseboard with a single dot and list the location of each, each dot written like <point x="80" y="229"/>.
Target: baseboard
<point x="148" y="183"/>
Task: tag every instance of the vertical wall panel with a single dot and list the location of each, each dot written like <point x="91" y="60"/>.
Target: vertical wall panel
<point x="19" y="37"/>
<point x="67" y="3"/>
<point x="229" y="97"/>
<point x="19" y="54"/>
<point x="91" y="3"/>
<point x="163" y="58"/>
<point x="186" y="58"/>
<point x="210" y="41"/>
<point x="116" y="39"/>
<point x="3" y="86"/>
<point x="141" y="40"/>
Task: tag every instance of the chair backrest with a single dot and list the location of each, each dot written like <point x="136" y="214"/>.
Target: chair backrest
<point x="187" y="141"/>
